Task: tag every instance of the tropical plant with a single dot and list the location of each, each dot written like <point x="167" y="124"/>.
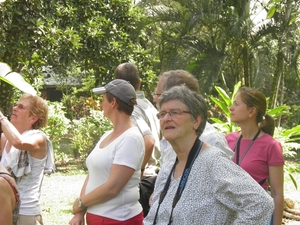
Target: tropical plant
<point x="223" y="42"/>
<point x="290" y="142"/>
<point x="9" y="79"/>
<point x="224" y="103"/>
<point x="15" y="79"/>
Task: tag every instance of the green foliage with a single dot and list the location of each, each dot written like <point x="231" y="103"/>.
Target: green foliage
<point x="223" y="42"/>
<point x="77" y="107"/>
<point x="86" y="132"/>
<point x="224" y="103"/>
<point x="84" y="39"/>
<point x="292" y="118"/>
<point x="75" y="137"/>
<point x="57" y="128"/>
<point x="290" y="141"/>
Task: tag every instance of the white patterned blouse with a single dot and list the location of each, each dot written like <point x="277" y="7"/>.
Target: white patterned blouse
<point x="217" y="192"/>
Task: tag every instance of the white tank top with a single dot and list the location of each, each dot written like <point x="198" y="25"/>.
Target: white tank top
<point x="30" y="188"/>
<point x="29" y="185"/>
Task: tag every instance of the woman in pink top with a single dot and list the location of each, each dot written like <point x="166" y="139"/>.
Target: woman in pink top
<point x="256" y="151"/>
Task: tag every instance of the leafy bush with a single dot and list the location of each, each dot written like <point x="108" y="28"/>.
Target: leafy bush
<point x="77" y="107"/>
<point x="87" y="131"/>
<point x="292" y="118"/>
<point x="289" y="139"/>
<point x="57" y="128"/>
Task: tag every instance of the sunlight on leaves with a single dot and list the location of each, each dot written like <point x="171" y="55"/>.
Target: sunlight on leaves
<point x="15" y="79"/>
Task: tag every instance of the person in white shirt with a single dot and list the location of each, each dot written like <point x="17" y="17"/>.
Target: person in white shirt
<point x="27" y="153"/>
<point x="143" y="111"/>
<point x="144" y="115"/>
<point x="110" y="192"/>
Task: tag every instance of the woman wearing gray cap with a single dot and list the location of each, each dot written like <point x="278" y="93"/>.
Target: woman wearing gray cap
<point x="110" y="192"/>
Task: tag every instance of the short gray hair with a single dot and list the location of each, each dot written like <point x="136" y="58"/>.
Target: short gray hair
<point x="194" y="102"/>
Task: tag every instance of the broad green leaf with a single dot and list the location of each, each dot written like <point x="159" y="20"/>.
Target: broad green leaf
<point x="235" y="90"/>
<point x="216" y="120"/>
<point x="222" y="105"/>
<point x="294" y="181"/>
<point x="15" y="79"/>
<point x="4" y="69"/>
<point x="293" y="131"/>
<point x="271" y="12"/>
<point x="7" y="81"/>
<point x="278" y="111"/>
<point x="292" y="20"/>
<point x="224" y="95"/>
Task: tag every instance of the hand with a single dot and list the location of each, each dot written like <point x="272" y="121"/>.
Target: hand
<point x="76" y="209"/>
<point x="78" y="219"/>
<point x="150" y="199"/>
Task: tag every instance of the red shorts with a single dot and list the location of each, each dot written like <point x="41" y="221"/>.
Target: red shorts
<point x="92" y="219"/>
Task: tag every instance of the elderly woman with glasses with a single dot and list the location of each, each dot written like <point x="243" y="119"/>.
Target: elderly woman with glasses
<point x="202" y="186"/>
<point x="27" y="153"/>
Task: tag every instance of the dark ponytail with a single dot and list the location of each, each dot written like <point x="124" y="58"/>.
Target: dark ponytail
<point x="267" y="125"/>
<point x="255" y="98"/>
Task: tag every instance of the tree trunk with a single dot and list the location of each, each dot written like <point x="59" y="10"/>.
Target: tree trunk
<point x="281" y="55"/>
<point x="278" y="75"/>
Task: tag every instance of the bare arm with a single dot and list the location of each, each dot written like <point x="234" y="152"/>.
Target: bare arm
<point x="36" y="144"/>
<point x="149" y="145"/>
<point x="78" y="218"/>
<point x="82" y="193"/>
<point x="276" y="182"/>
<point x="10" y="132"/>
<point x="2" y="143"/>
<point x="7" y="203"/>
<point x="149" y="140"/>
<point x="119" y="177"/>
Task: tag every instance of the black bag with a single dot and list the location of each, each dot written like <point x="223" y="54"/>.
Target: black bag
<point x="146" y="190"/>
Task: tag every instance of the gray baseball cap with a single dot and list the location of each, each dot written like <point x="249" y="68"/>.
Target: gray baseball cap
<point x="120" y="88"/>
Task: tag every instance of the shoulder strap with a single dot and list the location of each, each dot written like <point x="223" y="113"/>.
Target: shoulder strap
<point x="16" y="193"/>
<point x="184" y="177"/>
<point x="262" y="181"/>
<point x="4" y="173"/>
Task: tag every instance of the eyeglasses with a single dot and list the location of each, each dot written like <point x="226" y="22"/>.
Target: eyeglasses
<point x="154" y="94"/>
<point x="22" y="107"/>
<point x="173" y="113"/>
